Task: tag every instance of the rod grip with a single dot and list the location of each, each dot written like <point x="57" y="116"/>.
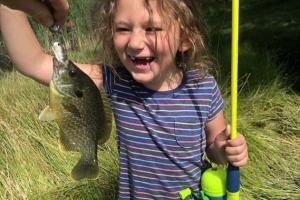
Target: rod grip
<point x="233" y="182"/>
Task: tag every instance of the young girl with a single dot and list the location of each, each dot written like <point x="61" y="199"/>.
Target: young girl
<point x="168" y="109"/>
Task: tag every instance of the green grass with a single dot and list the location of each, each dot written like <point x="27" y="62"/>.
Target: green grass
<point x="270" y="119"/>
<point x="32" y="167"/>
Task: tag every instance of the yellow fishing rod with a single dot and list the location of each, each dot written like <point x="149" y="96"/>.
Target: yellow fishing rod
<point x="234" y="66"/>
<point x="233" y="173"/>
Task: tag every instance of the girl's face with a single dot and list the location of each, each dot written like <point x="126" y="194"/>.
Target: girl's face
<point x="147" y="50"/>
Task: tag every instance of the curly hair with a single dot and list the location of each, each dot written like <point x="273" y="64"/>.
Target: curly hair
<point x="187" y="13"/>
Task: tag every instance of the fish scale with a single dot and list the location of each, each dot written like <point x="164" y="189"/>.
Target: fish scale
<point x="82" y="113"/>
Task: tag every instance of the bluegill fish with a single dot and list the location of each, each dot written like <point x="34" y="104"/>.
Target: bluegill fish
<point x="81" y="111"/>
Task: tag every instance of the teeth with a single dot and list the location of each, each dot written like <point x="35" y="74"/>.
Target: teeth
<point x="132" y="58"/>
<point x="136" y="58"/>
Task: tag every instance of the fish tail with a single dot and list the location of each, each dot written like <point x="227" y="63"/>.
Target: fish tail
<point x="85" y="169"/>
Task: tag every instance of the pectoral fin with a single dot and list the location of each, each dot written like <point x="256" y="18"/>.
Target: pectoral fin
<point x="72" y="109"/>
<point x="47" y="115"/>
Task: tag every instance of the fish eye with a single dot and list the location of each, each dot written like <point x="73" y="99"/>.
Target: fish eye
<point x="78" y="93"/>
<point x="72" y="72"/>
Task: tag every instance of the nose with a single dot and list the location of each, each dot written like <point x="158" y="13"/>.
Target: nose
<point x="137" y="40"/>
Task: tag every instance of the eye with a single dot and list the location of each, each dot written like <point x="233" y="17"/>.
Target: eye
<point x="72" y="72"/>
<point x="122" y="29"/>
<point x="153" y="29"/>
<point x="78" y="93"/>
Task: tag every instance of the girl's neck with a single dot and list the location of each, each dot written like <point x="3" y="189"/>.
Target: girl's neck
<point x="167" y="82"/>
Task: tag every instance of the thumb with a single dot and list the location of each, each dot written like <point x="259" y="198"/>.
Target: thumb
<point x="60" y="11"/>
<point x="228" y="130"/>
<point x="41" y="13"/>
<point x="224" y="135"/>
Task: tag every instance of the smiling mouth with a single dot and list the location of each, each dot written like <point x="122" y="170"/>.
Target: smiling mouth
<point x="141" y="60"/>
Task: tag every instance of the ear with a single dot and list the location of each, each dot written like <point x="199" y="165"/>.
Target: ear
<point x="185" y="45"/>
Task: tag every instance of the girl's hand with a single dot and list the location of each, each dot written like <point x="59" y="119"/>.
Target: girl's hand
<point x="235" y="151"/>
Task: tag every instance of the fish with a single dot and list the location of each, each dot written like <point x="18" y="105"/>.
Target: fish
<point x="82" y="112"/>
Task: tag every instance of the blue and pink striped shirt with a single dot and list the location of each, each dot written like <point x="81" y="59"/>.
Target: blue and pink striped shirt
<point x="161" y="137"/>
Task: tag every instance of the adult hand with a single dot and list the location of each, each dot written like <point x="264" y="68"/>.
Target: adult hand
<point x="46" y="12"/>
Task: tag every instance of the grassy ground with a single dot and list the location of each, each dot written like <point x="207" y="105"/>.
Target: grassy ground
<point x="32" y="167"/>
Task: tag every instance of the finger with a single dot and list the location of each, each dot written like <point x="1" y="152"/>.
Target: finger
<point x="240" y="163"/>
<point x="223" y="135"/>
<point x="240" y="140"/>
<point x="39" y="11"/>
<point x="60" y="10"/>
<point x="235" y="150"/>
<point x="239" y="160"/>
<point x="237" y="157"/>
<point x="221" y="141"/>
<point x="34" y="8"/>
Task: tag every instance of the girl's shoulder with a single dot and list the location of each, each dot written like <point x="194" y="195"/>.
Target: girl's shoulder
<point x="196" y="77"/>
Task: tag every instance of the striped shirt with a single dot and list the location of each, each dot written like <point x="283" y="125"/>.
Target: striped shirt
<point x="160" y="135"/>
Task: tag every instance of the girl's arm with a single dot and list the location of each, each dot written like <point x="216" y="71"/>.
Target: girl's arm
<point x="212" y="129"/>
<point x="26" y="52"/>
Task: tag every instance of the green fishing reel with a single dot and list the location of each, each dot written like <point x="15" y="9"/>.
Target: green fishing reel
<point x="213" y="184"/>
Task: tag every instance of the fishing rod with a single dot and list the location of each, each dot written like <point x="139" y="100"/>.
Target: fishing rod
<point x="233" y="173"/>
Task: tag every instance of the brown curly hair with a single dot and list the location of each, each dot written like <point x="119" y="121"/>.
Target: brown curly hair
<point x="192" y="28"/>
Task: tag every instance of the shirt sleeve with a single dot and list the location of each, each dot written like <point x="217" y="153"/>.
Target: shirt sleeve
<point x="108" y="79"/>
<point x="217" y="102"/>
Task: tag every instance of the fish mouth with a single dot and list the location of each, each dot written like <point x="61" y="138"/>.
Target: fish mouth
<point x="58" y="83"/>
<point x="58" y="70"/>
<point x="62" y="89"/>
<point x="58" y="52"/>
